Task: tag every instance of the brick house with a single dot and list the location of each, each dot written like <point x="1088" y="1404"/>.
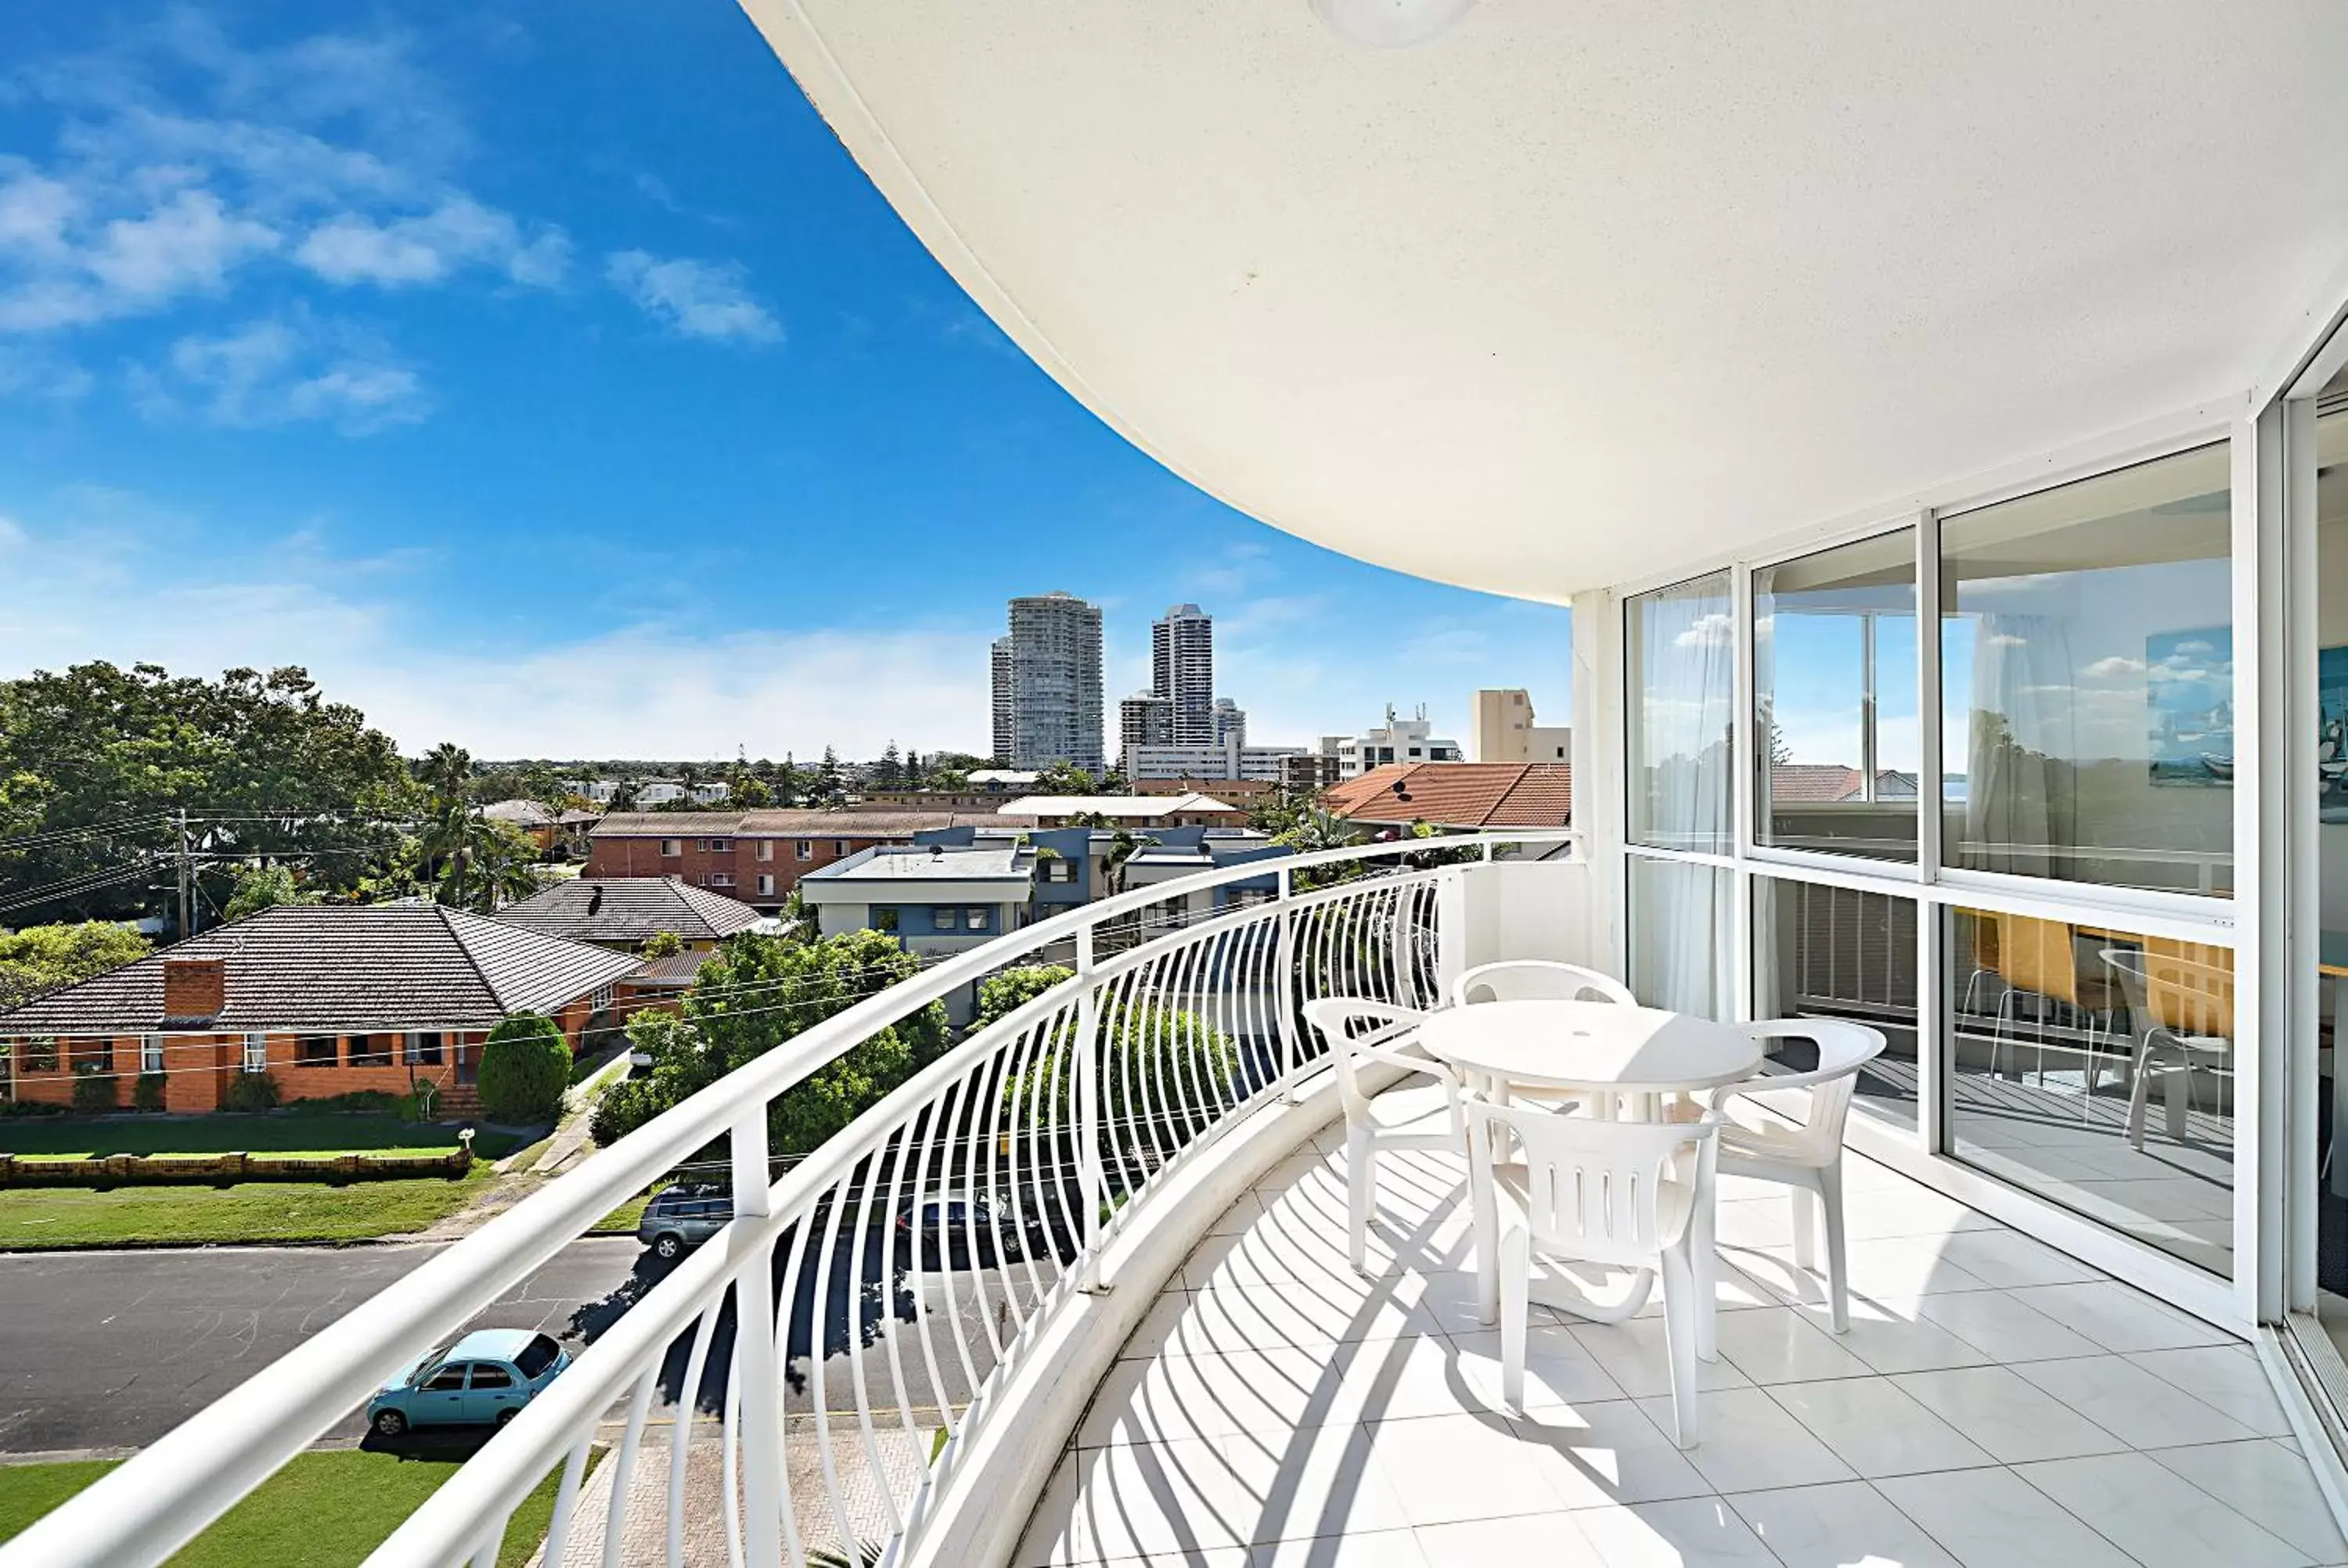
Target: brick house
<point x="624" y="912"/>
<point x="328" y="999"/>
<point x="757" y="856"/>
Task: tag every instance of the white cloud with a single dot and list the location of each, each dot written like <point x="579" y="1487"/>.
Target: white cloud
<point x="1706" y="631"/>
<point x="352" y="248"/>
<point x="2114" y="667"/>
<point x="698" y="299"/>
<point x="184" y="163"/>
<point x="643" y="689"/>
<point x="281" y="371"/>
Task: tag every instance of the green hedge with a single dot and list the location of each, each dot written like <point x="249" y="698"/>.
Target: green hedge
<point x="525" y="1067"/>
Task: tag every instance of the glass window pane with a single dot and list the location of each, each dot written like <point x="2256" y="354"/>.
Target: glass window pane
<point x="1835" y="952"/>
<point x="1834" y="686"/>
<point x="2087" y="680"/>
<point x="1682" y="689"/>
<point x="1680" y="935"/>
<point x="2095" y="1067"/>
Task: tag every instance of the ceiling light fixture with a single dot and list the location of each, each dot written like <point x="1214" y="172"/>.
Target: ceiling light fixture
<point x="1390" y="23"/>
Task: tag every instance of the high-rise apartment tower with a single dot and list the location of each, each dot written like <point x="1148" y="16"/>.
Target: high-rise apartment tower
<point x="1182" y="670"/>
<point x="1056" y="682"/>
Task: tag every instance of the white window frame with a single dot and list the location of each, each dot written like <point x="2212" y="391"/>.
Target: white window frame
<point x="150" y="1054"/>
<point x="599" y="998"/>
<point x="765" y="850"/>
<point x="765" y="883"/>
<point x="803" y="848"/>
<point x="2210" y="919"/>
<point x="671" y="848"/>
<point x="721" y="879"/>
<point x="256" y="1050"/>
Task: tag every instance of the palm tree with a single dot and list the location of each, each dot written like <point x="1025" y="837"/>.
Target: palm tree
<point x="445" y="770"/>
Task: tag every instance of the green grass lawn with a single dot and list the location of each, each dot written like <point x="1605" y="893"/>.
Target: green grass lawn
<point x="34" y="1217"/>
<point x="321" y="1511"/>
<point x="282" y="1133"/>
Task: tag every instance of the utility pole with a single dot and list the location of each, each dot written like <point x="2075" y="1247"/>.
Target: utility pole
<point x="185" y="905"/>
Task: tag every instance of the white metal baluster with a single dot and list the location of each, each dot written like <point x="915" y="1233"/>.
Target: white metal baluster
<point x="941" y="1118"/>
<point x="966" y="1140"/>
<point x="1051" y="1084"/>
<point x="1284" y="958"/>
<point x="754" y="1345"/>
<point x="566" y="1499"/>
<point x="859" y="1245"/>
<point x="818" y="1358"/>
<point x="895" y="1196"/>
<point x="917" y="1274"/>
<point x="615" y="1518"/>
<point x="1090" y="1185"/>
<point x="730" y="1448"/>
<point x="1126" y="1040"/>
<point x="1014" y="1102"/>
<point x="982" y="1133"/>
<point x="688" y="1409"/>
<point x="1183" y="1114"/>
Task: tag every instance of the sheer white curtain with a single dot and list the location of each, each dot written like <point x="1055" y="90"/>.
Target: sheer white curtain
<point x="2020" y="805"/>
<point x="1683" y="697"/>
<point x="1686" y="668"/>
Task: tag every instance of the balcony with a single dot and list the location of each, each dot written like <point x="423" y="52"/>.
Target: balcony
<point x="1077" y="1293"/>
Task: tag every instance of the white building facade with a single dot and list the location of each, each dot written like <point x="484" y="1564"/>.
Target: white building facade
<point x="1395" y="741"/>
<point x="1182" y="670"/>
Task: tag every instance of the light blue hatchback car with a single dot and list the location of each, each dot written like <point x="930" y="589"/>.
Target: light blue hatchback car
<point x="483" y="1378"/>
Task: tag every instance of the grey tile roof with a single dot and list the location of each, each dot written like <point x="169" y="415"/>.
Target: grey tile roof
<point x="678" y="969"/>
<point x="628" y="909"/>
<point x="338" y="969"/>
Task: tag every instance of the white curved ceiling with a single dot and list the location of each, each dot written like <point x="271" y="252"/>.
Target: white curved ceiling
<point x="1584" y="289"/>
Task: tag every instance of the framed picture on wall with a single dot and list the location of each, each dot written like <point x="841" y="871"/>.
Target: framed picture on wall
<point x="2332" y="742"/>
<point x="2188" y="684"/>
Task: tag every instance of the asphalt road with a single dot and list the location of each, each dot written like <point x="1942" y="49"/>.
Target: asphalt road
<point x="113" y="1350"/>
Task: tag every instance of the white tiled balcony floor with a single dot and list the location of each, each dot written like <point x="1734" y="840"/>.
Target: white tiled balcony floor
<point x="1995" y="1405"/>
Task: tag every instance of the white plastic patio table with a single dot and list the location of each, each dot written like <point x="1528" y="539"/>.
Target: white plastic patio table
<point x="1591" y="1045"/>
<point x="1603" y="1048"/>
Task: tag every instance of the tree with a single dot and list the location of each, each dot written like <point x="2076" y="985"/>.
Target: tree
<point x="1064" y="777"/>
<point x="753" y="994"/>
<point x="662" y="945"/>
<point x="42" y="957"/>
<point x="889" y="772"/>
<point x="525" y="1067"/>
<point x="263" y="888"/>
<point x="830" y="786"/>
<point x="749" y="793"/>
<point x="477" y="864"/>
<point x="1161" y="1067"/>
<point x="1315" y="829"/>
<point x="98" y="758"/>
<point x="447" y="770"/>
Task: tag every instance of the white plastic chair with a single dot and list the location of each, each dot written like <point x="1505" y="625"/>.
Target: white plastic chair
<point x="1537" y="979"/>
<point x="1540" y="979"/>
<point x="1618" y="1195"/>
<point x="1808" y="1158"/>
<point x="1393" y="1119"/>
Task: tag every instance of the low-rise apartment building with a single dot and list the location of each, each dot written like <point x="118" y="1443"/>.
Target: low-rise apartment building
<point x="757" y="856"/>
<point x="325" y="998"/>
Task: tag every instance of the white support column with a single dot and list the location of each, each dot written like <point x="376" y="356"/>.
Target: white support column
<point x="2262" y="963"/>
<point x="756" y="1368"/>
<point x="2304" y="986"/>
<point x="1748" y="747"/>
<point x="1934" y="1032"/>
<point x="1600" y="737"/>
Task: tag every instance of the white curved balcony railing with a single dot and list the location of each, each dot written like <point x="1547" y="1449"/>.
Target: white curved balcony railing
<point x="834" y="1430"/>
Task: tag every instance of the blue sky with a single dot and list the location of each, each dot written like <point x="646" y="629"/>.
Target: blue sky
<point x="564" y="389"/>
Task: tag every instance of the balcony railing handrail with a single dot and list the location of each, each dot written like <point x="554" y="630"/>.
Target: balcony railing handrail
<point x="165" y="1495"/>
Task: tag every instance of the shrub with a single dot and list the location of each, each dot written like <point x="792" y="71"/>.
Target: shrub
<point x="147" y="1094"/>
<point x="93" y="1092"/>
<point x="662" y="945"/>
<point x="249" y="1091"/>
<point x="525" y="1067"/>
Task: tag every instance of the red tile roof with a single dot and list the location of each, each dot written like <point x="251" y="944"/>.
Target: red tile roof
<point x="1460" y="795"/>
